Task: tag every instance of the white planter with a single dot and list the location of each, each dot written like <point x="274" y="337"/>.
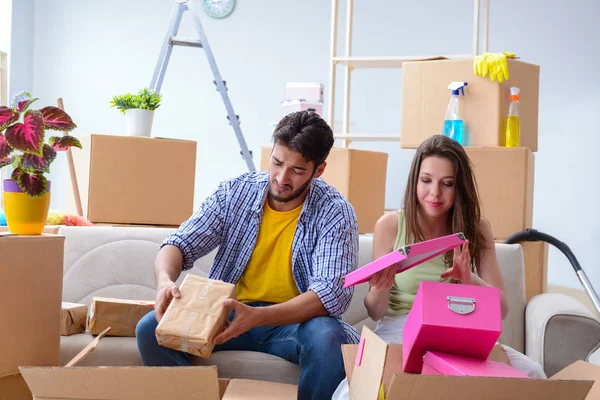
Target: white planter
<point x="138" y="122"/>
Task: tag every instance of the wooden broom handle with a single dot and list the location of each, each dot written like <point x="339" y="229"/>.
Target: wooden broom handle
<point x="72" y="173"/>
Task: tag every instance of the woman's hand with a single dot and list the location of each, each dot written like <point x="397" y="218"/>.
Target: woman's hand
<point x="461" y="265"/>
<point x="384" y="279"/>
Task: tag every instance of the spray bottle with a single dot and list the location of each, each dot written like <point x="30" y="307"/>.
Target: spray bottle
<point x="513" y="121"/>
<point x="453" y="124"/>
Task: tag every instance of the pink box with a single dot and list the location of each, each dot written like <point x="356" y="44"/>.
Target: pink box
<point x="436" y="363"/>
<point x="405" y="257"/>
<point x="300" y="105"/>
<point x="311" y="92"/>
<point x="458" y="319"/>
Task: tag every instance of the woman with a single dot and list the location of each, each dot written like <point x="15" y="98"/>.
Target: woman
<point x="441" y="198"/>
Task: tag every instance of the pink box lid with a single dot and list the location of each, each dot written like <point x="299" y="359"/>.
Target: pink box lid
<point x="406" y="257"/>
<point x="450" y="364"/>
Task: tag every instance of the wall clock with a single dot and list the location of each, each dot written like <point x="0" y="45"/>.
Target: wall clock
<point x="218" y="8"/>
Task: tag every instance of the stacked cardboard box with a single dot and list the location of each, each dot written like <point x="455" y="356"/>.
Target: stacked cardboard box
<point x="126" y="180"/>
<point x="505" y="176"/>
<point x="32" y="269"/>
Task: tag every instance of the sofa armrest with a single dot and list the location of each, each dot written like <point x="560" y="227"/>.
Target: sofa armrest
<point x="559" y="331"/>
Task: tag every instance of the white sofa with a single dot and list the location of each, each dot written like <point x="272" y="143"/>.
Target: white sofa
<point x="118" y="262"/>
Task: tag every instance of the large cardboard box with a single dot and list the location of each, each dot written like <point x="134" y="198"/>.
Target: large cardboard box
<point x="31" y="268"/>
<point x="535" y="258"/>
<point x="121" y="315"/>
<point x="505" y="182"/>
<point x="192" y="321"/>
<point x="358" y="175"/>
<point x="148" y="383"/>
<point x="484" y="106"/>
<point x="381" y="363"/>
<point x="135" y="180"/>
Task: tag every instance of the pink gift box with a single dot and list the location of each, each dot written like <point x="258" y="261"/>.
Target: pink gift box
<point x="405" y="257"/>
<point x="300" y="105"/>
<point x="458" y="319"/>
<point x="308" y="91"/>
<point x="436" y="363"/>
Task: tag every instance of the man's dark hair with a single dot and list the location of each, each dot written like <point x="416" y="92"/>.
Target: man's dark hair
<point x="307" y="133"/>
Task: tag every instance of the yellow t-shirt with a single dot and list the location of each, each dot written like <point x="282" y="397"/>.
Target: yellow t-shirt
<point x="406" y="284"/>
<point x="268" y="276"/>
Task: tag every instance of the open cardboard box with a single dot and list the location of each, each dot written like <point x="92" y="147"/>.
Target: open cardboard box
<point x="380" y="362"/>
<point x="147" y="383"/>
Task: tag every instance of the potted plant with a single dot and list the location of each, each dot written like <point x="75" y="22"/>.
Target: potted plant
<point x="138" y="110"/>
<point x="23" y="145"/>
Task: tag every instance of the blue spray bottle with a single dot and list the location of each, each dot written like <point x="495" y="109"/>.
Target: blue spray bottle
<point x="453" y="124"/>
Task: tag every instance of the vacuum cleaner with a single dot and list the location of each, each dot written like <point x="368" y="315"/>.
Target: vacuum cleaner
<point x="532" y="235"/>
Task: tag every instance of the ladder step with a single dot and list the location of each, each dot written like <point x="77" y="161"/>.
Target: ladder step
<point x="179" y="41"/>
<point x="224" y="83"/>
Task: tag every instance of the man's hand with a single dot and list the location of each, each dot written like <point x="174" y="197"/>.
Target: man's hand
<point x="165" y="293"/>
<point x="461" y="265"/>
<point x="245" y="318"/>
<point x="384" y="279"/>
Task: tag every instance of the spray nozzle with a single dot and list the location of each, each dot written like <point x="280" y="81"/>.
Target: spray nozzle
<point x="457" y="86"/>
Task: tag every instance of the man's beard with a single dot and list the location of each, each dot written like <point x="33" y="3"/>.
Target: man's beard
<point x="294" y="195"/>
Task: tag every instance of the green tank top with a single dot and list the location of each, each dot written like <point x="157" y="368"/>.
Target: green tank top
<point x="406" y="284"/>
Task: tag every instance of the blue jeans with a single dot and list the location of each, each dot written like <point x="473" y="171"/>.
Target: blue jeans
<point x="316" y="345"/>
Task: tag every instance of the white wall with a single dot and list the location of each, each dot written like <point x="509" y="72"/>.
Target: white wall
<point x="86" y="52"/>
<point x="21" y="49"/>
<point x="5" y="17"/>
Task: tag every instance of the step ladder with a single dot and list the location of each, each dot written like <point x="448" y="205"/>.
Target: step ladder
<point x="171" y="40"/>
<point x="350" y="62"/>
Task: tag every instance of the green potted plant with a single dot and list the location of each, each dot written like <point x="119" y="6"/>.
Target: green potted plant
<point x="23" y="145"/>
<point x="138" y="110"/>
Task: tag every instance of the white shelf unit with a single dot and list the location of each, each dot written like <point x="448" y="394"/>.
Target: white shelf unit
<point x="350" y="63"/>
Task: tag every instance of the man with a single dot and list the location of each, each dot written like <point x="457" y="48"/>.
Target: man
<point x="286" y="238"/>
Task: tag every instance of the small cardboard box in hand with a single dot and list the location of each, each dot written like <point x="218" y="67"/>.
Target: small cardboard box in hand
<point x="191" y="322"/>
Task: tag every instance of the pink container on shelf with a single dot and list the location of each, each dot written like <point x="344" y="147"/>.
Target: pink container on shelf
<point x="459" y="319"/>
<point x="311" y="92"/>
<point x="300" y="105"/>
<point x="436" y="363"/>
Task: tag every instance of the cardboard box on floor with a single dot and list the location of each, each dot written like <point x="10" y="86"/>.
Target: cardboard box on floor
<point x="505" y="182"/>
<point x="31" y="268"/>
<point x="383" y="363"/>
<point x="148" y="383"/>
<point x="360" y="176"/>
<point x="135" y="180"/>
<point x="535" y="255"/>
<point x="121" y="315"/>
<point x="483" y="108"/>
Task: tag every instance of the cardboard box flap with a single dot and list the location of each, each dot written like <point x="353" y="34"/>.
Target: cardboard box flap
<point x="393" y="361"/>
<point x="415" y="386"/>
<point x="582" y="370"/>
<point x="245" y="389"/>
<point x="368" y="371"/>
<point x="87" y="349"/>
<point x="122" y="383"/>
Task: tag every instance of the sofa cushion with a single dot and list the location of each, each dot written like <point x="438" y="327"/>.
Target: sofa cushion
<point x="122" y="351"/>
